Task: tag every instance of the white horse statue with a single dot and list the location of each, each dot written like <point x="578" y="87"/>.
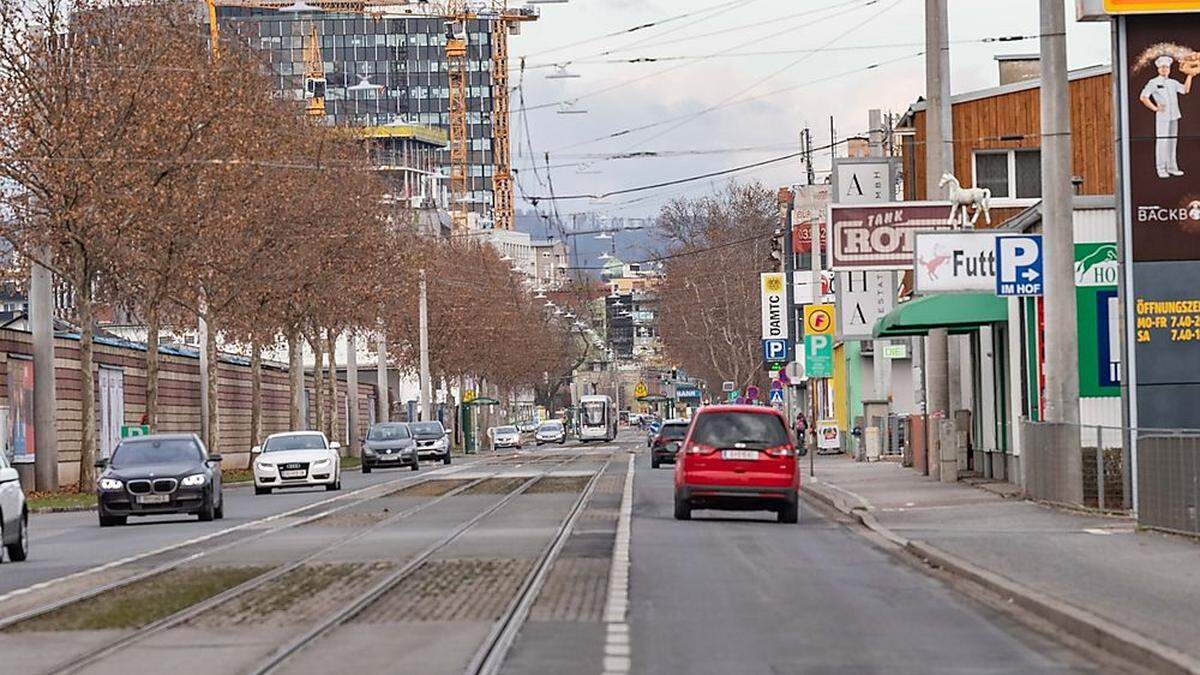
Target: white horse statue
<point x="963" y="200"/>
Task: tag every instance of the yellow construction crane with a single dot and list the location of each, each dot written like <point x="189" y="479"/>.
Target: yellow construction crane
<point x="314" y="78"/>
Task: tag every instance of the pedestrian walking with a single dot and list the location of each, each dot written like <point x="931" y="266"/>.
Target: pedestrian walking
<point x="801" y="428"/>
<point x="1161" y="96"/>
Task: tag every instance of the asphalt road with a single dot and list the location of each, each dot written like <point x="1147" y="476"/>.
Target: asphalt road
<point x="65" y="543"/>
<point x="739" y="593"/>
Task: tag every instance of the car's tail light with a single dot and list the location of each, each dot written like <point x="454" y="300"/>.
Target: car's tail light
<point x="698" y="449"/>
<point x="781" y="451"/>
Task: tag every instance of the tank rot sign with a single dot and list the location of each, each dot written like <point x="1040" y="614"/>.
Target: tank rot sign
<point x="881" y="236"/>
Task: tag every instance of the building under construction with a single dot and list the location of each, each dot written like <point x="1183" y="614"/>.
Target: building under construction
<point x="386" y="70"/>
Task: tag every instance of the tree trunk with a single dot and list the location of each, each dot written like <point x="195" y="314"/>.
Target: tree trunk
<point x="153" y="324"/>
<point x="318" y="399"/>
<point x="331" y="419"/>
<point x="214" y="369"/>
<point x="255" y="393"/>
<point x="87" y="384"/>
<point x="296" y="421"/>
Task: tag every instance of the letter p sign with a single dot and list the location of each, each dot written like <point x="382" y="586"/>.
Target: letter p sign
<point x="1019" y="265"/>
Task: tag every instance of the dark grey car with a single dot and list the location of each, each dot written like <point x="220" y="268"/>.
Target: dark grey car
<point x="389" y="444"/>
<point x="162" y="473"/>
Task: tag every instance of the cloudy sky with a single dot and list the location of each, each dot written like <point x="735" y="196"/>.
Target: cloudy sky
<point x="734" y="83"/>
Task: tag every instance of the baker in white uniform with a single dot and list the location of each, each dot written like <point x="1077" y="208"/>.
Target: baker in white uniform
<point x="1161" y="95"/>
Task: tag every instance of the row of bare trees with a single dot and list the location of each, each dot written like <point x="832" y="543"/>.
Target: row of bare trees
<point x="716" y="247"/>
<point x="148" y="172"/>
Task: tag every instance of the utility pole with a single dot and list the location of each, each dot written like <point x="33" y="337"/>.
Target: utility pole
<point x="1062" y="345"/>
<point x="202" y="329"/>
<point x="352" y="392"/>
<point x="45" y="432"/>
<point x="381" y="371"/>
<point x="426" y="388"/>
<point x="881" y="367"/>
<point x="939" y="159"/>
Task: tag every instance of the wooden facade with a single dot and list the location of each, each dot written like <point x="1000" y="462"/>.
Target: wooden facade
<point x="179" y="396"/>
<point x="988" y="122"/>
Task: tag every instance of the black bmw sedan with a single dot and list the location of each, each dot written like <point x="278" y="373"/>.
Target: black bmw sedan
<point x="157" y="474"/>
<point x="389" y="444"/>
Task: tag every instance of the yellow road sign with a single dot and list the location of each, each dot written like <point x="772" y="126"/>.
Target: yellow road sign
<point x="818" y="319"/>
<point x="640" y="390"/>
<point x="468" y="396"/>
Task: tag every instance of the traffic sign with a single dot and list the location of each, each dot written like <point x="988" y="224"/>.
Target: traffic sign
<point x="468" y="396"/>
<point x="794" y="371"/>
<point x="1019" y="265"/>
<point x="775" y="351"/>
<point x="818" y="355"/>
<point x="733" y="395"/>
<point x="818" y="320"/>
<point x="777" y="383"/>
<point x="899" y="351"/>
<point x="777" y="396"/>
<point x="131" y="431"/>
<point x="728" y="386"/>
<point x="640" y="390"/>
<point x="752" y="392"/>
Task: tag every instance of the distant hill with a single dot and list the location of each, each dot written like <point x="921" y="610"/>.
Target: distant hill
<point x="632" y="245"/>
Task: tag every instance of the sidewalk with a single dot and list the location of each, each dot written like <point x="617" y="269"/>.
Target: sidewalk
<point x="1107" y="582"/>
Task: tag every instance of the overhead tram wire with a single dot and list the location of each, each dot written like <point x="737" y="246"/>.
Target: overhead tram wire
<point x="623" y="83"/>
<point x="771" y="94"/>
<point x="762" y="80"/>
<point x="634" y="29"/>
<point x="680" y="181"/>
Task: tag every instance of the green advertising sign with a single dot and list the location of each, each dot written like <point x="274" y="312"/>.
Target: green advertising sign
<point x="1098" y="319"/>
<point x="818" y="355"/>
<point x="130" y="431"/>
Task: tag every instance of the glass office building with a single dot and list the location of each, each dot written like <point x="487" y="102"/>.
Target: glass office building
<point x="403" y="56"/>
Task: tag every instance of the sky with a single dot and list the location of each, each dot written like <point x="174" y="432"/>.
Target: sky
<point x="765" y="68"/>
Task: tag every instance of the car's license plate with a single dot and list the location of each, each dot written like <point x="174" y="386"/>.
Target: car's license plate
<point x="294" y="474"/>
<point x="153" y="499"/>
<point x="739" y="454"/>
<point x="389" y="458"/>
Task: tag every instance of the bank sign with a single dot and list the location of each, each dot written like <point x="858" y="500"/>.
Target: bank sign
<point x="773" y="286"/>
<point x="954" y="261"/>
<point x="881" y="236"/>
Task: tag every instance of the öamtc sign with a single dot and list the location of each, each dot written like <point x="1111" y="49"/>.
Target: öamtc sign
<point x="773" y="286"/>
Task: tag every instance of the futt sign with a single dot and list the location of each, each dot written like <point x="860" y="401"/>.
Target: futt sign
<point x="955" y="261"/>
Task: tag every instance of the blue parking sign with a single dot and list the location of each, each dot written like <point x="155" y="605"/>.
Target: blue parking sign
<point x="1019" y="265"/>
<point x="775" y="351"/>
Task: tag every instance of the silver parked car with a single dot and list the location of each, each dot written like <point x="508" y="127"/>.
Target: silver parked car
<point x="14" y="513"/>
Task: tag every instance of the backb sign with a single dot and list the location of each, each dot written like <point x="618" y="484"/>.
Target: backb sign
<point x="773" y="286"/>
<point x="1019" y="265"/>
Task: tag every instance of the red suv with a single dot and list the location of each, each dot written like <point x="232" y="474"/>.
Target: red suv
<point x="738" y="458"/>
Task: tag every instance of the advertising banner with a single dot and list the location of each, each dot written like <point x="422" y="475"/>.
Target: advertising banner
<point x="863" y="298"/>
<point x="881" y="236"/>
<point x="1150" y="6"/>
<point x="1099" y="319"/>
<point x="864" y="181"/>
<point x="955" y="261"/>
<point x="774" y="297"/>
<point x="812" y="205"/>
<point x="1157" y="63"/>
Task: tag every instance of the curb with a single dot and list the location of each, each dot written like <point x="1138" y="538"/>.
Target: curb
<point x="1079" y="623"/>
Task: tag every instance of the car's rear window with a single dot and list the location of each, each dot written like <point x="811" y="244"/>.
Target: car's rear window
<point x="674" y="432"/>
<point x="727" y="429"/>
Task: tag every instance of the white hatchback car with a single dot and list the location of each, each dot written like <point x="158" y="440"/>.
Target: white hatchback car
<point x="296" y="459"/>
<point x="14" y="514"/>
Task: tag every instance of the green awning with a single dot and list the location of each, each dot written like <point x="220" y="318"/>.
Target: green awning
<point x="959" y="312"/>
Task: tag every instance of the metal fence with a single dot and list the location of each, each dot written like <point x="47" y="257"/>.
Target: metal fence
<point x="1080" y="466"/>
<point x="1168" y="468"/>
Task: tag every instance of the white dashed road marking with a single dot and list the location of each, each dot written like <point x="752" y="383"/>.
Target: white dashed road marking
<point x="616" y="644"/>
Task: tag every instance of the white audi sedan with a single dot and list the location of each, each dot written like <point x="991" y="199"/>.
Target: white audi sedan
<point x="296" y="459"/>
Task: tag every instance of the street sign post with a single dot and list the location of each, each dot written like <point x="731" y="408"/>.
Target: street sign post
<point x="733" y="395"/>
<point x="468" y="396"/>
<point x="775" y="351"/>
<point x="134" y="430"/>
<point x="1019" y="265"/>
<point x="795" y="371"/>
<point x="818" y="355"/>
<point x="728" y="386"/>
<point x="777" y="397"/>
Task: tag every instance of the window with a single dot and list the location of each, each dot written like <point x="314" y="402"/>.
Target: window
<point x="1010" y="174"/>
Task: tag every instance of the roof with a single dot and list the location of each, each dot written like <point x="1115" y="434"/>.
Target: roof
<point x="678" y="420"/>
<point x="979" y="94"/>
<point x="1029" y="56"/>
<point x="728" y="407"/>
<point x="295" y="433"/>
<point x="959" y="312"/>
<point x="162" y="437"/>
<point x="1027" y="219"/>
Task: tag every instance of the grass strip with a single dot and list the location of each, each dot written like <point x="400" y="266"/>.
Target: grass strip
<point x="143" y="602"/>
